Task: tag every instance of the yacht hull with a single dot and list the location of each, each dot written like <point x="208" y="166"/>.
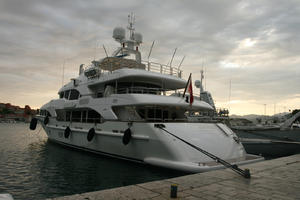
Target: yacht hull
<point x="153" y="146"/>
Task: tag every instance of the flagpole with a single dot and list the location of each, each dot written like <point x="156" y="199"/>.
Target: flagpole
<point x="186" y="85"/>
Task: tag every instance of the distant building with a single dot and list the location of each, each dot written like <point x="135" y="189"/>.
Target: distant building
<point x="10" y="112"/>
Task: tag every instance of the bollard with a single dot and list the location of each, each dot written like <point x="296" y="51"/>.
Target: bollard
<point x="247" y="173"/>
<point x="173" y="191"/>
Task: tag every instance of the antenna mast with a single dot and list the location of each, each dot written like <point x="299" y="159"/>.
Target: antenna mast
<point x="63" y="73"/>
<point x="173" y="57"/>
<point x="151" y="50"/>
<point x="181" y="62"/>
<point x="131" y="20"/>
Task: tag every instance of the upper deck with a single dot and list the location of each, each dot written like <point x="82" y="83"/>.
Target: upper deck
<point x="114" y="63"/>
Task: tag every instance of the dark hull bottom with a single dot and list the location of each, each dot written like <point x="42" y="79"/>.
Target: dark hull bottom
<point x="270" y="143"/>
<point x="271" y="134"/>
<point x="271" y="149"/>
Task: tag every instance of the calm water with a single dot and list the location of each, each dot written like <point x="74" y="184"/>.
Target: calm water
<point x="31" y="167"/>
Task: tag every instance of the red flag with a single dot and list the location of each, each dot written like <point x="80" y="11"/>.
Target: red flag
<point x="190" y="89"/>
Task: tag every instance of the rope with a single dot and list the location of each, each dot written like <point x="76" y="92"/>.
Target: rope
<point x="245" y="173"/>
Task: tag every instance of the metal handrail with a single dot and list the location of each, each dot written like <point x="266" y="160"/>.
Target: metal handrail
<point x="140" y="90"/>
<point x="163" y="69"/>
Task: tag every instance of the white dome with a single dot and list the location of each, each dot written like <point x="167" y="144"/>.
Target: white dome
<point x="138" y="37"/>
<point x="197" y="83"/>
<point x="119" y="33"/>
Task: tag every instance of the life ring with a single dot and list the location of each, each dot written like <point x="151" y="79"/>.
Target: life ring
<point x="46" y="120"/>
<point x="33" y="123"/>
<point x="127" y="136"/>
<point x="90" y="134"/>
<point x="67" y="132"/>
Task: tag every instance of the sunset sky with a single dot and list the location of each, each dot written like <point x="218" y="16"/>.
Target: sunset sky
<point x="255" y="45"/>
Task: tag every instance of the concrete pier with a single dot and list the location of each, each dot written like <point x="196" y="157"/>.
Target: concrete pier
<point x="271" y="179"/>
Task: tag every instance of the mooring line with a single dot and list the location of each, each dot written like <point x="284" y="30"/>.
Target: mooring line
<point x="245" y="173"/>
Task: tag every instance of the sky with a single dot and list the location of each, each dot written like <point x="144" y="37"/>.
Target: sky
<point x="248" y="49"/>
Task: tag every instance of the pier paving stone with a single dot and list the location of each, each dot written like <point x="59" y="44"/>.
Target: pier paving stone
<point x="270" y="179"/>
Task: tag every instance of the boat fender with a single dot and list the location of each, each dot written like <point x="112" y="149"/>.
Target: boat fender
<point x="33" y="123"/>
<point x="67" y="132"/>
<point x="91" y="134"/>
<point x="126" y="136"/>
<point x="46" y="120"/>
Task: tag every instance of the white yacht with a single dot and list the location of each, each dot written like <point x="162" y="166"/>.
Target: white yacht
<point x="123" y="107"/>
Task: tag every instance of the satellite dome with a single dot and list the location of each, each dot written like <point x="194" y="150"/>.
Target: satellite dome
<point x="197" y="83"/>
<point x="119" y="33"/>
<point x="138" y="37"/>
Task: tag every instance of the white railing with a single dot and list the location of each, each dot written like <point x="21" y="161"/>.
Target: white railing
<point x="140" y="90"/>
<point x="94" y="72"/>
<point x="163" y="69"/>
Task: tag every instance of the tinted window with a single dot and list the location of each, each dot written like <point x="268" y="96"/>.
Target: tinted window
<point x="74" y="95"/>
<point x="61" y="95"/>
<point x="67" y="94"/>
<point x="142" y="113"/>
<point x="93" y="117"/>
<point x="60" y="115"/>
<point x="165" y="114"/>
<point x="158" y="114"/>
<point x="76" y="116"/>
<point x="68" y="116"/>
<point x="151" y="113"/>
<point x="84" y="116"/>
<point x="99" y="95"/>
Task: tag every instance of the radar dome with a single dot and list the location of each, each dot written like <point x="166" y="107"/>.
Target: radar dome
<point x="119" y="33"/>
<point x="197" y="83"/>
<point x="138" y="37"/>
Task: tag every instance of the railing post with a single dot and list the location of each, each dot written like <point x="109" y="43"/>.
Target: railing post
<point x="161" y="69"/>
<point x="149" y="66"/>
<point x="171" y="70"/>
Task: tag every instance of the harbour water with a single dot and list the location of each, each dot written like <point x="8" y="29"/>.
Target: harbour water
<point x="31" y="167"/>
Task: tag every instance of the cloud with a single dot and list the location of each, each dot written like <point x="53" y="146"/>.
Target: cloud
<point x="252" y="43"/>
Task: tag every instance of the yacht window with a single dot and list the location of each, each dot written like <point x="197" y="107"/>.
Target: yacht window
<point x="83" y="116"/>
<point x="93" y="117"/>
<point x="66" y="96"/>
<point x="74" y="95"/>
<point x="99" y="94"/>
<point x="76" y="116"/>
<point x="142" y="113"/>
<point x="158" y="114"/>
<point x="61" y="95"/>
<point x="68" y="116"/>
<point x="45" y="113"/>
<point x="60" y="115"/>
<point x="151" y="113"/>
<point x="165" y="114"/>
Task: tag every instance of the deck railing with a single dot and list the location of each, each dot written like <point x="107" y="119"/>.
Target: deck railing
<point x="140" y="90"/>
<point x="163" y="69"/>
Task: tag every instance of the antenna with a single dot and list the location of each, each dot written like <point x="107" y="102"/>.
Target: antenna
<point x="105" y="50"/>
<point x="95" y="50"/>
<point x="151" y="50"/>
<point x="229" y="98"/>
<point x="63" y="74"/>
<point x="131" y="20"/>
<point x="173" y="57"/>
<point x="181" y="62"/>
<point x="205" y="78"/>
